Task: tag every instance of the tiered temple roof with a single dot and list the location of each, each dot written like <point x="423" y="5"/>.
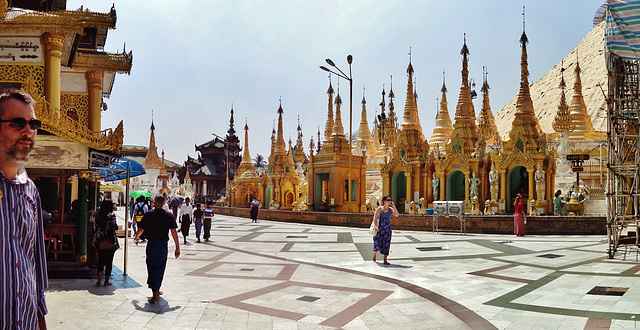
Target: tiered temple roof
<point x="444" y="127"/>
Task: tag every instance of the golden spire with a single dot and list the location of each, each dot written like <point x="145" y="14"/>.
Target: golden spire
<point x="328" y="128"/>
<point x="443" y="129"/>
<point x="486" y="121"/>
<point x="562" y="122"/>
<point x="376" y="133"/>
<point x="578" y="111"/>
<point x="525" y="123"/>
<point x="464" y="108"/>
<point x="273" y="138"/>
<point x="151" y="160"/>
<point x="391" y="132"/>
<point x="163" y="169"/>
<point x="464" y="127"/>
<point x="245" y="164"/>
<point x="363" y="137"/>
<point x="280" y="145"/>
<point x="410" y="117"/>
<point x="337" y="124"/>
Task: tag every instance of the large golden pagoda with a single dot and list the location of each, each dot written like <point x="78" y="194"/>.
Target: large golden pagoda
<point x="526" y="166"/>
<point x="247" y="184"/>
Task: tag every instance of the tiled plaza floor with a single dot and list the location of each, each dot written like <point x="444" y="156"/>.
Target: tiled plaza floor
<point x="272" y="275"/>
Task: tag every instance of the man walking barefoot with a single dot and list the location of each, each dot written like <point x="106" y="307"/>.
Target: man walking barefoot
<point x="156" y="224"/>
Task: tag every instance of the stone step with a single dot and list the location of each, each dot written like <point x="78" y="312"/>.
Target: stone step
<point x="595" y="207"/>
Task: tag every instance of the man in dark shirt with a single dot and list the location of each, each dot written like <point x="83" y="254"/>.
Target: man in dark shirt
<point x="156" y="225"/>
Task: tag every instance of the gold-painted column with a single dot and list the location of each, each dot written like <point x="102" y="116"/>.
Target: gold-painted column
<point x="441" y="193"/>
<point x="53" y="43"/>
<point x="409" y="190"/>
<point x="467" y="175"/>
<point x="503" y="185"/>
<point x="94" y="87"/>
<point x="531" y="182"/>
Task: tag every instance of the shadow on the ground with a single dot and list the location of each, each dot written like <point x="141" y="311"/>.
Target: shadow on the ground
<point x="160" y="307"/>
<point x="393" y="266"/>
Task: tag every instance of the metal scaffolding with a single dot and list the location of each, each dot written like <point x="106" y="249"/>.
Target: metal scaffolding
<point x="623" y="179"/>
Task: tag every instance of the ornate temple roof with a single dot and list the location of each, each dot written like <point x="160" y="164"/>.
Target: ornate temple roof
<point x="363" y="137"/>
<point x="562" y="121"/>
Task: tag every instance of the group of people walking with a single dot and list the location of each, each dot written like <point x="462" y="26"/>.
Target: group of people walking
<point x="152" y="225"/>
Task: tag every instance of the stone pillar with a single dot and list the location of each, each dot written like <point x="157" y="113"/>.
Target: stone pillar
<point x="94" y="88"/>
<point x="53" y="43"/>
<point x="204" y="190"/>
<point x="83" y="208"/>
<point x="386" y="184"/>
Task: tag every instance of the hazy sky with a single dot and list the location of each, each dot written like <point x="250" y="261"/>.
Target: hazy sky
<point x="193" y="59"/>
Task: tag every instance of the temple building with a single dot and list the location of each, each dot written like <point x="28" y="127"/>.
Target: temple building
<point x="526" y="166"/>
<point x="214" y="166"/>
<point x="334" y="167"/>
<point x="247" y="183"/>
<point x="161" y="174"/>
<point x="282" y="181"/>
<point x="405" y="175"/>
<point x="461" y="174"/>
<point x="57" y="56"/>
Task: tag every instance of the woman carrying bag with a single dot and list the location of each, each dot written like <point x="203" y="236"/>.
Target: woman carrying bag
<point x="105" y="241"/>
<point x="382" y="219"/>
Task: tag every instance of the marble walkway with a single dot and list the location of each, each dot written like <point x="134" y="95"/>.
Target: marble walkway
<point x="273" y="275"/>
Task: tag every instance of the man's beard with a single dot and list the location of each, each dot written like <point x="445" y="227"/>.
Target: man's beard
<point x="21" y="153"/>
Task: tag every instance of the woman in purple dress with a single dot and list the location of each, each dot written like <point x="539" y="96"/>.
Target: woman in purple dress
<point x="382" y="217"/>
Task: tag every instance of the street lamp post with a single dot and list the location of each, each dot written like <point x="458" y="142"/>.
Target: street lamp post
<point x="226" y="187"/>
<point x="350" y="79"/>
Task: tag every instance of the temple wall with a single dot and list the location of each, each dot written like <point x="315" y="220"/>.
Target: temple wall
<point x="494" y="224"/>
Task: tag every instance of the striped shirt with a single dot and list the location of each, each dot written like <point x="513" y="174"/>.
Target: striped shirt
<point x="23" y="265"/>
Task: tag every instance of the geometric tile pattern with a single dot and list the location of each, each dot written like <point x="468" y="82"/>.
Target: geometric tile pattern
<point x="295" y="275"/>
<point x="368" y="299"/>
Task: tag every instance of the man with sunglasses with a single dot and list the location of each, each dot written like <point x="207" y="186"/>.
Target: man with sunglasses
<point x="23" y="268"/>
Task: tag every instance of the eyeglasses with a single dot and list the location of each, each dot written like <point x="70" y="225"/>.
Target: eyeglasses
<point x="20" y="123"/>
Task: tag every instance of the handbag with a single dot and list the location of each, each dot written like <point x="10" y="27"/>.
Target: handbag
<point x="104" y="245"/>
<point x="373" y="230"/>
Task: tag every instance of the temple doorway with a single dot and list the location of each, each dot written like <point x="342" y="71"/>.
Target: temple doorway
<point x="399" y="190"/>
<point x="455" y="186"/>
<point x="518" y="182"/>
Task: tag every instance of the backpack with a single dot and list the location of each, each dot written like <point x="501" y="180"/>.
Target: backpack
<point x="140" y="211"/>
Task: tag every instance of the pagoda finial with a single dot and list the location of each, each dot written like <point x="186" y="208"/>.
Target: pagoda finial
<point x="562" y="122"/>
<point x="328" y="128"/>
<point x="444" y="87"/>
<point x="231" y="130"/>
<point x="153" y="128"/>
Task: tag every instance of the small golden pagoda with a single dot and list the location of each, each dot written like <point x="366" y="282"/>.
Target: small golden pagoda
<point x="444" y="127"/>
<point x="298" y="150"/>
<point x="487" y="128"/>
<point x="404" y="177"/>
<point x="247" y="184"/>
<point x="328" y="171"/>
<point x="578" y="113"/>
<point x="282" y="181"/>
<point x="526" y="167"/>
<point x="363" y="142"/>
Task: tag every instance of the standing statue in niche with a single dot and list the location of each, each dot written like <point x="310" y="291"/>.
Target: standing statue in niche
<point x="473" y="185"/>
<point x="539" y="177"/>
<point x="494" y="182"/>
<point x="435" y="183"/>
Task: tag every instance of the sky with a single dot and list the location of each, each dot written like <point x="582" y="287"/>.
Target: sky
<point x="195" y="60"/>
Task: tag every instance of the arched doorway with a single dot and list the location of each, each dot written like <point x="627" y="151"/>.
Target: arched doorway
<point x="399" y="190"/>
<point x="518" y="182"/>
<point x="455" y="186"/>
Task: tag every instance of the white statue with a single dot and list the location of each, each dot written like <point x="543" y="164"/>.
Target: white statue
<point x="539" y="177"/>
<point x="494" y="182"/>
<point x="473" y="185"/>
<point x="435" y="182"/>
